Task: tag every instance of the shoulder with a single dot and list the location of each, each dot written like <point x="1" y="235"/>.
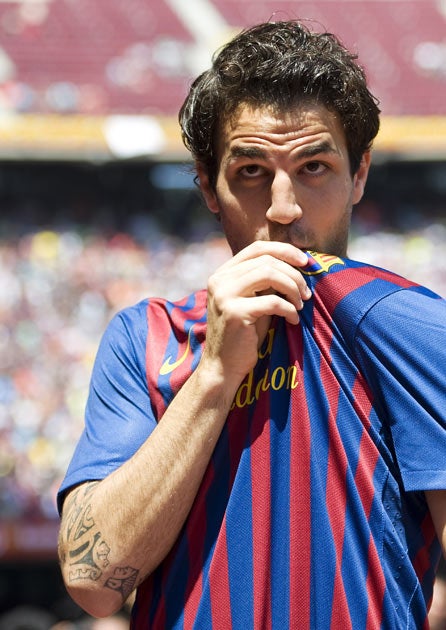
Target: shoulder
<point x="153" y="313"/>
<point x="352" y="293"/>
<point x="190" y="306"/>
<point x="414" y="318"/>
<point x="336" y="279"/>
<point x="165" y="317"/>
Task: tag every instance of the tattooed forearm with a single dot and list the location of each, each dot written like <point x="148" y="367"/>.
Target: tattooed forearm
<point x="123" y="581"/>
<point x="84" y="552"/>
<point x="89" y="559"/>
<point x="88" y="553"/>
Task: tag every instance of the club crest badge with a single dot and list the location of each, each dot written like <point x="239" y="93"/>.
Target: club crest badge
<point x="320" y="263"/>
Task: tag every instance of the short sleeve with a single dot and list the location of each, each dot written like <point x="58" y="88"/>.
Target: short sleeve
<point x="401" y="349"/>
<point x="119" y="415"/>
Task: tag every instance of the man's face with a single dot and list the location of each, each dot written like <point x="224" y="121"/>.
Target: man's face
<point x="285" y="177"/>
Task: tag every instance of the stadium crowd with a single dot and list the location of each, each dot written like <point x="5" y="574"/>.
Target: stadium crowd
<point x="58" y="290"/>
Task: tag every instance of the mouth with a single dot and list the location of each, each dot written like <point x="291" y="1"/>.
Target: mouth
<point x="283" y="236"/>
<point x="296" y="243"/>
<point x="303" y="248"/>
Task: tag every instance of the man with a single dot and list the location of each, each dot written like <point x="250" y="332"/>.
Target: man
<point x="269" y="452"/>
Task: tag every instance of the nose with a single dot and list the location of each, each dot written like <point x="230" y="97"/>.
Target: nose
<point x="284" y="207"/>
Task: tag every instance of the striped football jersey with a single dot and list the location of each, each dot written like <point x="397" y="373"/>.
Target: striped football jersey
<point x="311" y="513"/>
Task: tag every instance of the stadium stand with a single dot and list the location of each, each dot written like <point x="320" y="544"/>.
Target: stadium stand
<point x="134" y="55"/>
<point x="67" y="66"/>
<point x="95" y="58"/>
<point x="86" y="56"/>
<point x="388" y="37"/>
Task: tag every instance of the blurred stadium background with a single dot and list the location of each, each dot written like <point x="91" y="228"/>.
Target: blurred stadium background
<point x="99" y="209"/>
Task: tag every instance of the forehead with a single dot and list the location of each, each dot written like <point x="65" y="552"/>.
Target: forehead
<point x="278" y="129"/>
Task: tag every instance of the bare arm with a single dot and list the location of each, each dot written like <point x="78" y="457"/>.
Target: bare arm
<point x="115" y="532"/>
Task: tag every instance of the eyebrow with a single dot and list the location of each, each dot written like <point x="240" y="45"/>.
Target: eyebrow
<point x="323" y="147"/>
<point x="247" y="152"/>
<point x="316" y="149"/>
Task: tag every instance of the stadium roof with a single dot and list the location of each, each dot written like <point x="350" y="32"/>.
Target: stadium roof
<point x="100" y="58"/>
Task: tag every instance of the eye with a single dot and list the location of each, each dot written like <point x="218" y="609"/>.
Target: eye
<point x="315" y="168"/>
<point x="251" y="170"/>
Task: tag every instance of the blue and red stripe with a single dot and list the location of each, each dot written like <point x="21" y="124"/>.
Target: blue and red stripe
<point x="289" y="517"/>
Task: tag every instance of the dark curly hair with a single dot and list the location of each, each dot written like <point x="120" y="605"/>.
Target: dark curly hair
<point x="281" y="65"/>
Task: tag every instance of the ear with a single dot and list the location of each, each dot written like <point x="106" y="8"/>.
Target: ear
<point x="360" y="177"/>
<point x="207" y="190"/>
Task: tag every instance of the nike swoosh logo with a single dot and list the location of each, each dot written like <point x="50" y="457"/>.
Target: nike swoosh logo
<point x="169" y="366"/>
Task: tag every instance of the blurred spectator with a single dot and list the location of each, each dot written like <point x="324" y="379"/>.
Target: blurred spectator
<point x="27" y="618"/>
<point x="418" y="254"/>
<point x="57" y="292"/>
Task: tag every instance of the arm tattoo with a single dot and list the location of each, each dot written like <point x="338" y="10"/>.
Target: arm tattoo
<point x="88" y="554"/>
<point x="123" y="581"/>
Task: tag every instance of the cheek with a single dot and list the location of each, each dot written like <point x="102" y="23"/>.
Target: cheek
<point x="339" y="199"/>
<point x="239" y="226"/>
<point x="331" y="212"/>
<point x="244" y="209"/>
<point x="236" y="235"/>
<point x="228" y="202"/>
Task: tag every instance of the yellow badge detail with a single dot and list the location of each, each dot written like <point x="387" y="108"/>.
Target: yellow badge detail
<point x="169" y="366"/>
<point x="320" y="263"/>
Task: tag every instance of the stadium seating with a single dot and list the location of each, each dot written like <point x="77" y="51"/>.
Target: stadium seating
<point x="103" y="55"/>
<point x="386" y="35"/>
<point x="136" y="56"/>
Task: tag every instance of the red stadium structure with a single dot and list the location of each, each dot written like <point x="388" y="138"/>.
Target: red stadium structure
<point x="133" y="56"/>
<point x="76" y="62"/>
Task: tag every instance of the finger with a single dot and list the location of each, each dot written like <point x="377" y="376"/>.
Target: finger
<point x="253" y="308"/>
<point x="276" y="280"/>
<point x="259" y="251"/>
<point x="265" y="274"/>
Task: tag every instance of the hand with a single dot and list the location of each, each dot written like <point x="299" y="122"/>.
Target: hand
<point x="260" y="281"/>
